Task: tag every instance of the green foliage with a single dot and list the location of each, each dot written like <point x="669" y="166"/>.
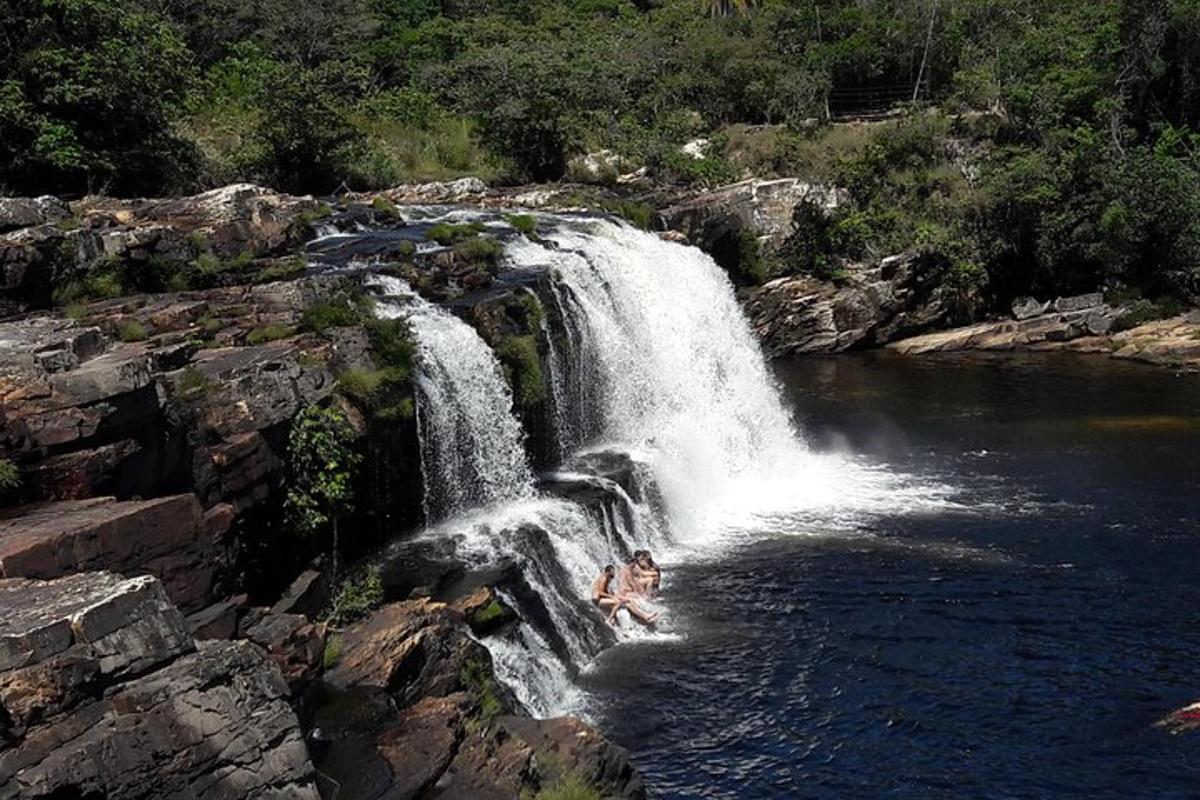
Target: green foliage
<point x="385" y="392"/>
<point x="479" y="250"/>
<point x="523" y="367"/>
<point x="385" y="207"/>
<point x="88" y="90"/>
<point x="321" y="463"/>
<point x="569" y="788"/>
<point x="476" y="677"/>
<point x="325" y="314"/>
<point x="356" y="597"/>
<point x="10" y="478"/>
<point x="332" y="653"/>
<point x="131" y="330"/>
<point x="524" y="223"/>
<point x="193" y="381"/>
<point x="269" y="333"/>
<point x="392" y="344"/>
<point x="448" y="233"/>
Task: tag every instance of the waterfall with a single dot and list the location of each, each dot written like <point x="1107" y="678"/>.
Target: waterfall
<point x="672" y="432"/>
<point x="472" y="447"/>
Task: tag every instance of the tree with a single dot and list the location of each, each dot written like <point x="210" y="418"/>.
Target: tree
<point x="322" y="465"/>
<point x="725" y="8"/>
<point x="89" y="91"/>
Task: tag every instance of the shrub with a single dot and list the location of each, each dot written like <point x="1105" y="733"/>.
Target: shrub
<point x="10" y="478"/>
<point x="476" y="677"/>
<point x="446" y="233"/>
<point x="392" y="344"/>
<point x="569" y="788"/>
<point x="193" y="380"/>
<point x="385" y="207"/>
<point x="325" y="314"/>
<point x="269" y="333"/>
<point x="356" y="597"/>
<point x="333" y="652"/>
<point x="524" y="223"/>
<point x="523" y="367"/>
<point x="131" y="330"/>
<point x="481" y="250"/>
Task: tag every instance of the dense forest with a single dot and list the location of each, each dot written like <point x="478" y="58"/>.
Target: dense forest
<point x="1049" y="146"/>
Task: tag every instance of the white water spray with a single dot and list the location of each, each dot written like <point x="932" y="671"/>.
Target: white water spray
<point x="472" y="448"/>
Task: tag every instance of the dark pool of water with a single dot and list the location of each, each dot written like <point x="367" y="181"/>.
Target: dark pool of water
<point x="1020" y="650"/>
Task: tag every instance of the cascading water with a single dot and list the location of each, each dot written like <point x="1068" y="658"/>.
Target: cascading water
<point x="472" y="448"/>
<point x="673" y="437"/>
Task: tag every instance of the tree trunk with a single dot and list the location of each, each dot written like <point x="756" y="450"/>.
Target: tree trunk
<point x="336" y="544"/>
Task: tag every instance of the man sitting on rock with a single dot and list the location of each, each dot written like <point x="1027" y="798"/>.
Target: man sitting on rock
<point x="606" y="600"/>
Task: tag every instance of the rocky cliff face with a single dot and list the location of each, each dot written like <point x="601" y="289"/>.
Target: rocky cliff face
<point x="104" y="694"/>
<point x="872" y="305"/>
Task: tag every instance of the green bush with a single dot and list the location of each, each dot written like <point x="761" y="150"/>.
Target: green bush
<point x="269" y="333"/>
<point x="569" y="788"/>
<point x="10" y="478"/>
<point x="131" y="330"/>
<point x="385" y="207"/>
<point x="325" y="314"/>
<point x="524" y="223"/>
<point x="356" y="597"/>
<point x="447" y="233"/>
<point x="523" y="367"/>
<point x="479" y="250"/>
<point x="476" y="677"/>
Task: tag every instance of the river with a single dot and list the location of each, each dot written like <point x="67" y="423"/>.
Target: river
<point x="1016" y="641"/>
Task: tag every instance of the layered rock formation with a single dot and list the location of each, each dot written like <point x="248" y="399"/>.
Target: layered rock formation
<point x="1084" y="324"/>
<point x="104" y="694"/>
<point x="872" y="305"/>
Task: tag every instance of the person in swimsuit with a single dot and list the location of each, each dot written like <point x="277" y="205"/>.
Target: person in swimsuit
<point x="605" y="600"/>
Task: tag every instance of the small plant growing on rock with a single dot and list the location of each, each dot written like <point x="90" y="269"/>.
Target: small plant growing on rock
<point x="385" y="207"/>
<point x="480" y="250"/>
<point x="447" y="233"/>
<point x="132" y="331"/>
<point x="523" y="367"/>
<point x="356" y="597"/>
<point x="524" y="223"/>
<point x="322" y="464"/>
<point x="10" y="478"/>
<point x="269" y="333"/>
<point x="325" y="314"/>
<point x="476" y="677"/>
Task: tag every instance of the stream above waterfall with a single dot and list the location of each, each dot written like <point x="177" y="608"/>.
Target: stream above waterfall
<point x="1018" y="643"/>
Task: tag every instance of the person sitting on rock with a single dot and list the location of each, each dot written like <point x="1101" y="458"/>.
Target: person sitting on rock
<point x="606" y="600"/>
<point x="651" y="571"/>
<point x="633" y="579"/>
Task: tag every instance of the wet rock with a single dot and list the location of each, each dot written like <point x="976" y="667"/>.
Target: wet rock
<point x="484" y="611"/>
<point x="895" y="298"/>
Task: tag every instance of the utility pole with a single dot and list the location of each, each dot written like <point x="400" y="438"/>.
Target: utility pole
<point x="925" y="56"/>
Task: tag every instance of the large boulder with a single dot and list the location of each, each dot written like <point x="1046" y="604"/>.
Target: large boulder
<point x="712" y="220"/>
<point x="413" y="649"/>
<point x="873" y="305"/>
<point x="103" y="694"/>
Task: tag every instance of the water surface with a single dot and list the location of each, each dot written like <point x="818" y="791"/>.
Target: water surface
<point x="1018" y="643"/>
